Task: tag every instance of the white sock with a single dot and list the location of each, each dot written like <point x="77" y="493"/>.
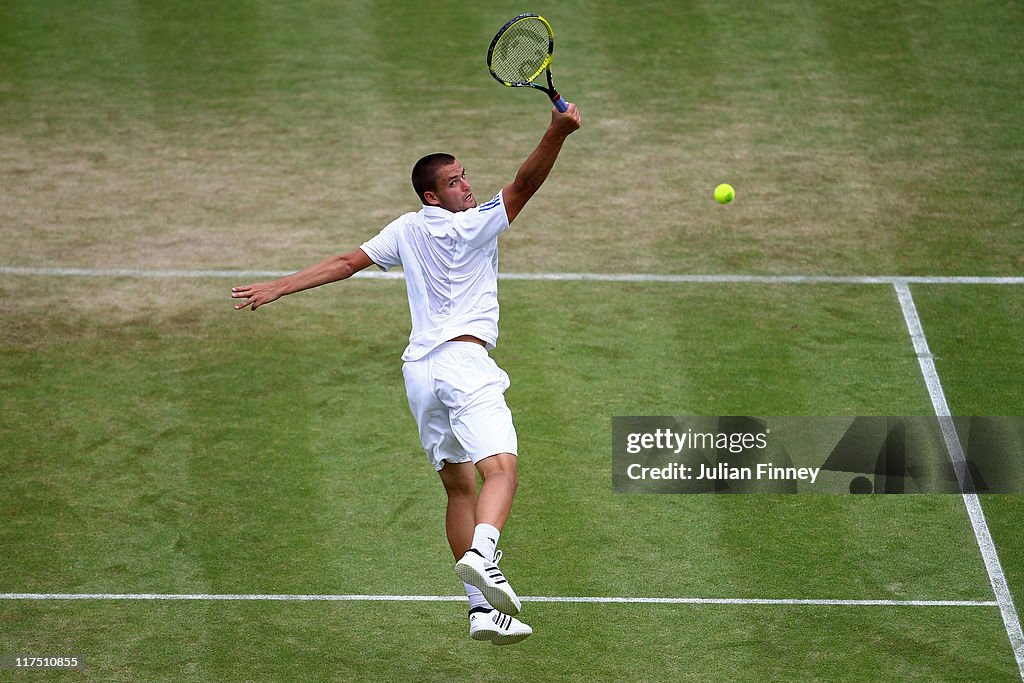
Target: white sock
<point x="485" y="540"/>
<point x="476" y="598"/>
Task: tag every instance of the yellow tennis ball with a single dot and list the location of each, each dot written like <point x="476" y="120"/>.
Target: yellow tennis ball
<point x="724" y="193"/>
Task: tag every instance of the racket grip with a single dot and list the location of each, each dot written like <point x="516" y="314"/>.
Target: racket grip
<point x="560" y="104"/>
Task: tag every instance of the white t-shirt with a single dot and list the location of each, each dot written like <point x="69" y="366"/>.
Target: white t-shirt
<point x="451" y="271"/>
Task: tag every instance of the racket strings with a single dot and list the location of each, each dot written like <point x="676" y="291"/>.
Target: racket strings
<point x="521" y="52"/>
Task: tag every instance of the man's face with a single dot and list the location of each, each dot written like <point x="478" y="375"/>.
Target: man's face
<point x="453" y="190"/>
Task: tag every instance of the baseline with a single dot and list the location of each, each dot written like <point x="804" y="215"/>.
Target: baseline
<point x="306" y="597"/>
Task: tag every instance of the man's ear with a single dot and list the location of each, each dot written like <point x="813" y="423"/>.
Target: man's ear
<point x="431" y="198"/>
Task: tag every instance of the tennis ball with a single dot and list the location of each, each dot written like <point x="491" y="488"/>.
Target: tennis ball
<point x="724" y="193"/>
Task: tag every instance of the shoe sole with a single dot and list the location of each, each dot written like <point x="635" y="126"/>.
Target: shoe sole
<point x="498" y="598"/>
<point x="498" y="639"/>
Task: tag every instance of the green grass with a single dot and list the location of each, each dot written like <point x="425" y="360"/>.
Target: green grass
<point x="352" y="641"/>
<point x="209" y="421"/>
<point x="154" y="440"/>
<point x="860" y="140"/>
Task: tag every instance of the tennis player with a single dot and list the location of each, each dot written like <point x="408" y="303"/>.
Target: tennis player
<point x="449" y="252"/>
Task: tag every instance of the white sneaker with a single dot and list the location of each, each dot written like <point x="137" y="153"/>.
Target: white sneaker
<point x="485" y="575"/>
<point x="500" y="629"/>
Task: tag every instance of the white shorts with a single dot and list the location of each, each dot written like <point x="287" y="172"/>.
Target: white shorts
<point x="457" y="395"/>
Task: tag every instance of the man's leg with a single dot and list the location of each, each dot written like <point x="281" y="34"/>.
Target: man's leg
<point x="494" y="502"/>
<point x="472" y="521"/>
<point x="500" y="484"/>
<point x="479" y="565"/>
<point x="459" y="481"/>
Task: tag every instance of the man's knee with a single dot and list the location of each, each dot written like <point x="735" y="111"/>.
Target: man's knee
<point x="500" y="466"/>
<point x="459" y="480"/>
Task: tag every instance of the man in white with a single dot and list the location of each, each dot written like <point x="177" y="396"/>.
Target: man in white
<point x="449" y="251"/>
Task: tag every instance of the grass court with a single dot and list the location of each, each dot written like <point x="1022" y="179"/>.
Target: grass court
<point x="187" y="466"/>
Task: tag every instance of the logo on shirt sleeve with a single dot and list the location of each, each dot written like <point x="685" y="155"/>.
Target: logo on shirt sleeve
<point x="491" y="204"/>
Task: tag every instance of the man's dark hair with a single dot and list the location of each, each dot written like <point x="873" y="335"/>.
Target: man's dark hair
<point x="424" y="173"/>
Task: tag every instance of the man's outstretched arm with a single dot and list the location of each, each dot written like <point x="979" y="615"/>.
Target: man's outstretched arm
<point x="329" y="270"/>
<point x="535" y="169"/>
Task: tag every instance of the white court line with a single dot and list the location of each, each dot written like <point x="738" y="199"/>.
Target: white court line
<point x="956" y="454"/>
<point x="300" y="597"/>
<point x="547" y="277"/>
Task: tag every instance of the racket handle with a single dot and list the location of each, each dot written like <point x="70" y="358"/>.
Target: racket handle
<point x="560" y="104"/>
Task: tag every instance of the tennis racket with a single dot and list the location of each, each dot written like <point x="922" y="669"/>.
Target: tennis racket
<point x="521" y="52"/>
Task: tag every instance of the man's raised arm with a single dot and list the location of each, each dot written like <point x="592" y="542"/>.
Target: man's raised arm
<point x="329" y="270"/>
<point x="535" y="169"/>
